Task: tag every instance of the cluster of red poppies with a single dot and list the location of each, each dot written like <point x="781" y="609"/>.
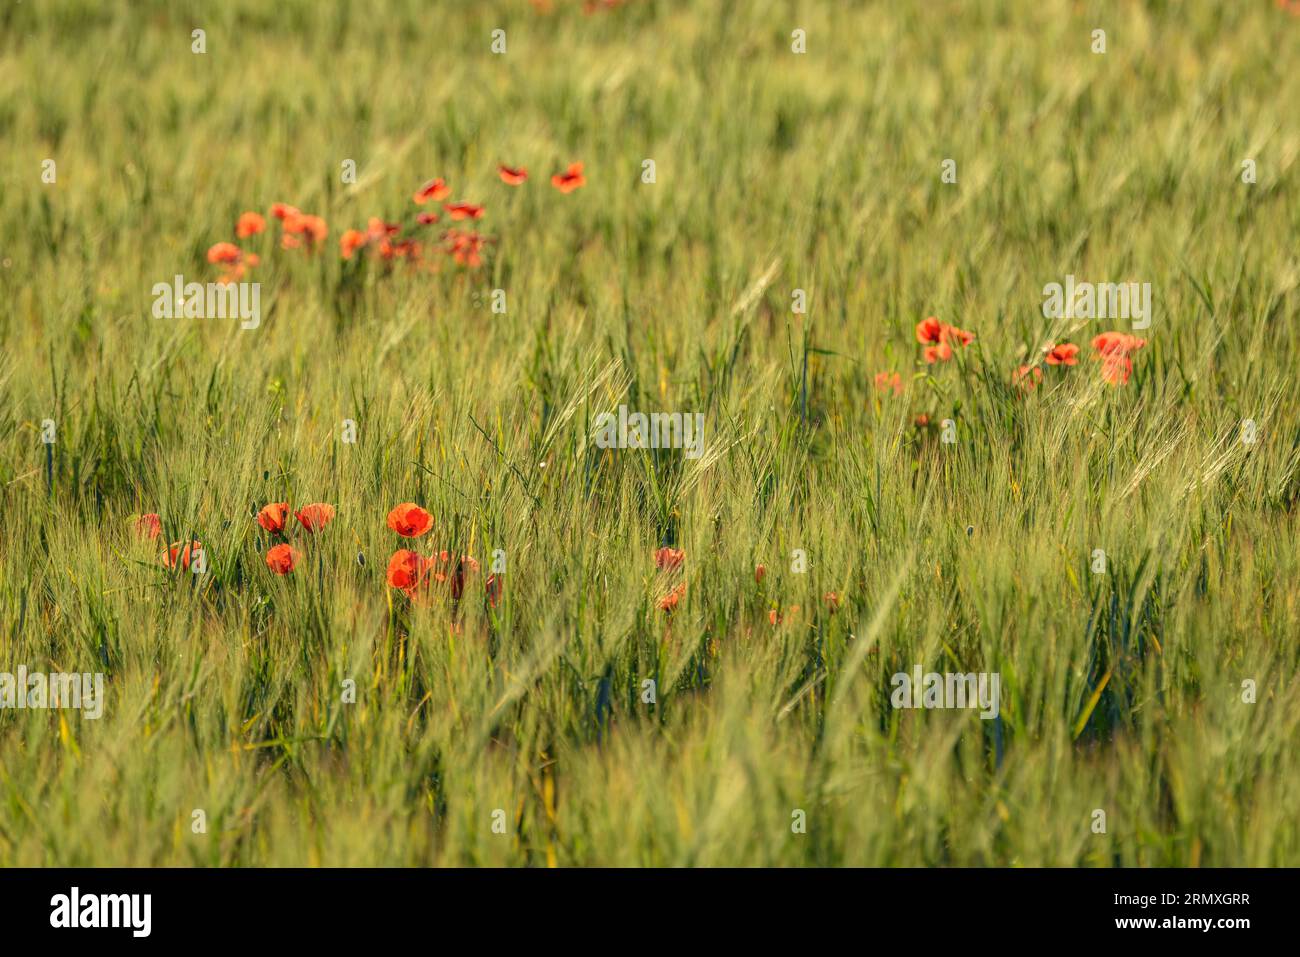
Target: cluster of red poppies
<point x="233" y="261"/>
<point x="388" y="241"/>
<point x="414" y="574"/>
<point x="669" y="560"/>
<point x="149" y="527"/>
<point x="939" y="339"/>
<point x="282" y="558"/>
<point x="408" y="572"/>
<point x="1114" y="350"/>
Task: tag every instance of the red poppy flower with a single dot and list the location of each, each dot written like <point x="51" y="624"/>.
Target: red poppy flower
<point x="464" y="247"/>
<point x="300" y="227"/>
<point x="512" y="175"/>
<point x="225" y="253"/>
<point x="669" y="602"/>
<point x="408" y="571"/>
<point x="272" y="517"/>
<point x="1115" y="350"/>
<point x="940" y="353"/>
<point x="148" y="526"/>
<point x="1065" y="354"/>
<point x="951" y="333"/>
<point x="570" y="179"/>
<point x="1117" y="343"/>
<point x="1027" y="378"/>
<point x="885" y="381"/>
<point x="666" y="559"/>
<point x="412" y="573"/>
<point x="457" y="211"/>
<point x="250" y="224"/>
<point x="775" y="616"/>
<point x="941" y="338"/>
<point x="283" y="210"/>
<point x="435" y="190"/>
<point x="235" y="260"/>
<point x="1116" y="368"/>
<point x="832" y="601"/>
<point x="351" y="241"/>
<point x="760" y="572"/>
<point x="409" y="520"/>
<point x="929" y="330"/>
<point x="424" y="219"/>
<point x="376" y="228"/>
<point x="180" y="554"/>
<point x="314" y="517"/>
<point x="281" y="559"/>
<point x="405" y="249"/>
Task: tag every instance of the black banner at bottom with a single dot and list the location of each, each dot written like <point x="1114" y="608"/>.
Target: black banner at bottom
<point x="334" y="907"/>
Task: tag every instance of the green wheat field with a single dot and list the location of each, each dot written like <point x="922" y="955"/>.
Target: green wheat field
<point x="1115" y="537"/>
